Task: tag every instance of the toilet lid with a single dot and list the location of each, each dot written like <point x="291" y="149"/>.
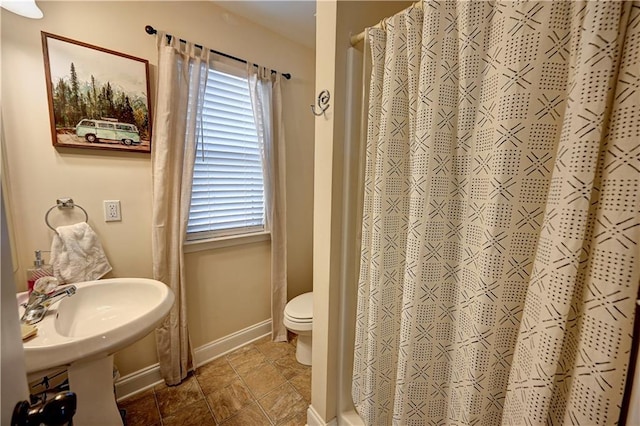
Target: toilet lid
<point x="300" y="307"/>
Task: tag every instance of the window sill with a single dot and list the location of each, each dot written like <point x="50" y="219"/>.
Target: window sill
<point x="221" y="242"/>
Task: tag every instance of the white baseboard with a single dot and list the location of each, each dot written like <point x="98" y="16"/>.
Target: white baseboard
<point x="210" y="351"/>
<point x="138" y="381"/>
<point x="148" y="377"/>
<point x="315" y="419"/>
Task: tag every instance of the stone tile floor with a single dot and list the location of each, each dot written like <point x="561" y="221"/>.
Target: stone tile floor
<point x="258" y="384"/>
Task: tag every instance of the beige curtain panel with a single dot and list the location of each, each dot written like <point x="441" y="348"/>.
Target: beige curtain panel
<point x="266" y="100"/>
<point x="182" y="74"/>
<point x="499" y="266"/>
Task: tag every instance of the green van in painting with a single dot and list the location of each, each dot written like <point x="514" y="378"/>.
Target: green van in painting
<point x="97" y="130"/>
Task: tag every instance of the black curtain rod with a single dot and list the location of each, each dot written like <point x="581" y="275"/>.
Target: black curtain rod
<point x="150" y="30"/>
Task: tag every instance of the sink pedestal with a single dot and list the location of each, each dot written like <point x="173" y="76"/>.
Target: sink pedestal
<point x="92" y="381"/>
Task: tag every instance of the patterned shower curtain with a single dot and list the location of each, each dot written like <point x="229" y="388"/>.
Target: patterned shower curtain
<point x="499" y="265"/>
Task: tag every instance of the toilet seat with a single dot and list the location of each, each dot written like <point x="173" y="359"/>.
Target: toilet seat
<point x="298" y="320"/>
<point x="297" y="326"/>
<point x="298" y="314"/>
<point x="300" y="308"/>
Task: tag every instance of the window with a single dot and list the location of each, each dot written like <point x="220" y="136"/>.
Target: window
<point x="227" y="197"/>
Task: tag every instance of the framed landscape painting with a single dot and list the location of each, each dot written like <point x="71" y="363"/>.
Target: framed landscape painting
<point x="98" y="98"/>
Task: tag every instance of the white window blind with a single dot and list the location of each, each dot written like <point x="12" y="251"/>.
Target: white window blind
<point x="227" y="197"/>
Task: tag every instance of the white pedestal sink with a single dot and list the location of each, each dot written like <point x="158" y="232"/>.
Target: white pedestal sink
<point x="82" y="332"/>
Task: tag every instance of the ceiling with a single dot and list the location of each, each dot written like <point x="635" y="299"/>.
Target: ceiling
<point x="293" y="19"/>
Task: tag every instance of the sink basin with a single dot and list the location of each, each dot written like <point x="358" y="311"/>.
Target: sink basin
<point x="103" y="317"/>
<point x="82" y="332"/>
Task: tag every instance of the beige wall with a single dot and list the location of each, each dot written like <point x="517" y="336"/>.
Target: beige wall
<point x="228" y="287"/>
<point x="324" y="321"/>
<point x="336" y="22"/>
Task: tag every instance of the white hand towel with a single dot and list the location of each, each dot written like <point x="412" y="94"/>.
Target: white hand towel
<point x="77" y="255"/>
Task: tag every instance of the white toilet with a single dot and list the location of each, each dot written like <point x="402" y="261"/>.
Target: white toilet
<point x="298" y="318"/>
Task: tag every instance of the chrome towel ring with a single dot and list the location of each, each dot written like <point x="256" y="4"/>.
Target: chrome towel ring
<point x="64" y="203"/>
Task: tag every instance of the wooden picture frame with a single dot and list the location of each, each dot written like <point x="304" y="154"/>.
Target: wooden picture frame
<point x="98" y="98"/>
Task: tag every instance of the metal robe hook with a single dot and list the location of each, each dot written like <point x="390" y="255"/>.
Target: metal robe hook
<point x="323" y="103"/>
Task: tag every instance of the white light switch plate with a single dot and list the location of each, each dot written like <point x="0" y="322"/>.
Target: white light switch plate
<point x="112" y="211"/>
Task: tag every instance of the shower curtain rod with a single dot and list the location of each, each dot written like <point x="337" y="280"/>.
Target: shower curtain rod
<point x="355" y="39"/>
<point x="150" y="30"/>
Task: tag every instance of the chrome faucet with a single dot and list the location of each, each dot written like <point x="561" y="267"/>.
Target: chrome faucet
<point x="38" y="303"/>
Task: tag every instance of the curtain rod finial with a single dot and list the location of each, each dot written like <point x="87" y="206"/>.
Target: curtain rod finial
<point x="150" y="30"/>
